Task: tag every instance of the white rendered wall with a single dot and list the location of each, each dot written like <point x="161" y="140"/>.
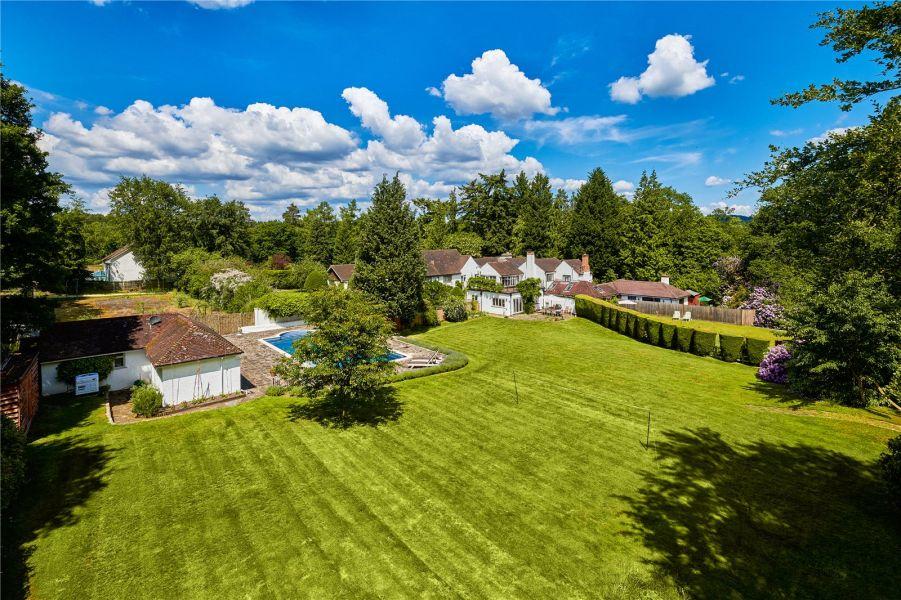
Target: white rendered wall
<point x="263" y="321"/>
<point x="199" y="379"/>
<point x="136" y="367"/>
<point x="124" y="268"/>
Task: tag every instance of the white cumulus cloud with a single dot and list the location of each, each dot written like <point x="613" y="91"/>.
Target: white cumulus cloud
<point x="220" y="4"/>
<point x="624" y="188"/>
<point x="577" y="130"/>
<point x="498" y="87"/>
<point x="713" y="180"/>
<point x="834" y="132"/>
<point x="267" y="155"/>
<point x="672" y="71"/>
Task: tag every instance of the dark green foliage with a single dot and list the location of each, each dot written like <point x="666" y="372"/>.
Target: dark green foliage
<point x="389" y="263"/>
<point x="889" y="463"/>
<point x="316" y="280"/>
<point x="271" y="237"/>
<point x="217" y="226"/>
<point x="12" y="462"/>
<point x="66" y="371"/>
<point x="604" y="316"/>
<point x="295" y="276"/>
<point x="30" y="193"/>
<point x="638" y="328"/>
<point x="152" y="215"/>
<point x="428" y="316"/>
<point x="487" y="209"/>
<point x="347" y="234"/>
<point x="454" y="309"/>
<point x="667" y="335"/>
<point x="319" y="227"/>
<point x="529" y="289"/>
<point x="869" y="30"/>
<point x="684" y="336"/>
<point x="704" y="343"/>
<point x="622" y="321"/>
<point x="653" y="332"/>
<point x="485" y="284"/>
<point x="596" y="226"/>
<point x="731" y="347"/>
<point x="146" y="401"/>
<point x="849" y="336"/>
<point x="21" y="315"/>
<point x="281" y="305"/>
<point x="534" y="202"/>
<point x="275" y="390"/>
<point x="346" y="348"/>
<point x="755" y="350"/>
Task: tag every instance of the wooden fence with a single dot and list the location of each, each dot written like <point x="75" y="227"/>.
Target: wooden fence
<point x="735" y="316"/>
<point x="224" y="323"/>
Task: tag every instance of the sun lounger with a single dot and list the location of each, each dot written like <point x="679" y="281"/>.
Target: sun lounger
<point x="687" y="316"/>
<point x="677" y="315"/>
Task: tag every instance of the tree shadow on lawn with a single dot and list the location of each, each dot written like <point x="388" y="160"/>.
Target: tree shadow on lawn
<point x="782" y="394"/>
<point x="61" y="475"/>
<point x="382" y="407"/>
<point x="763" y="520"/>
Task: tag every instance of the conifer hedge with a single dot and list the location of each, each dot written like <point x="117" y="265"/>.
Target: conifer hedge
<point x="667" y="335"/>
<point x="731" y="347"/>
<point x="683" y="338"/>
<point x="755" y="350"/>
<point x="704" y="343"/>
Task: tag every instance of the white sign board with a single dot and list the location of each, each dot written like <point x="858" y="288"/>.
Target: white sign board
<point x="88" y="383"/>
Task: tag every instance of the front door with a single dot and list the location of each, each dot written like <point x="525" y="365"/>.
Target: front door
<point x="517" y="305"/>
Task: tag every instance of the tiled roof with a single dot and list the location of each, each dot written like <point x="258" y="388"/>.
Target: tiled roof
<point x="548" y="264"/>
<point x="576" y="264"/>
<point x="343" y="272"/>
<point x="173" y="339"/>
<point x="505" y="268"/>
<point x="653" y="289"/>
<point x="569" y="289"/>
<point x="443" y="262"/>
<point x="116" y="254"/>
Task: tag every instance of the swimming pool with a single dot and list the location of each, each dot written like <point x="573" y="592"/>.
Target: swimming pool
<point x="285" y="343"/>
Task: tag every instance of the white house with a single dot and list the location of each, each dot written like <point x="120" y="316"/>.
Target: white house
<point x="182" y="358"/>
<point x="121" y="266"/>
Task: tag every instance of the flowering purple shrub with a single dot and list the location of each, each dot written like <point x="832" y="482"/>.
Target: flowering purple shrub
<point x="773" y="366"/>
<point x="769" y="311"/>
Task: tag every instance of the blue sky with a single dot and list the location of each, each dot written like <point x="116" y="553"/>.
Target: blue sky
<point x="276" y="102"/>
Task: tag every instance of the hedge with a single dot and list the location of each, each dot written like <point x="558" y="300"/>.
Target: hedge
<point x="704" y="343"/>
<point x="683" y="338"/>
<point x="755" y="350"/>
<point x="667" y="335"/>
<point x="453" y="360"/>
<point x="622" y="320"/>
<point x="731" y="347"/>
<point x="280" y="305"/>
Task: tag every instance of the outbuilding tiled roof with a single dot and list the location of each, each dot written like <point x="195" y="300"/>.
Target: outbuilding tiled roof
<point x="653" y="289"/>
<point x="170" y="338"/>
<point x="116" y="254"/>
<point x="343" y="272"/>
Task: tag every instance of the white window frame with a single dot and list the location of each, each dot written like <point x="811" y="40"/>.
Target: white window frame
<point x="498" y="302"/>
<point x="116" y="359"/>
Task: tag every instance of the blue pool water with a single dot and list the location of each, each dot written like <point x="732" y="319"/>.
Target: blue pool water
<point x="285" y="343"/>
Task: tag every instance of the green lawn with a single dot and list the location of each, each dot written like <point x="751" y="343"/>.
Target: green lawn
<point x="465" y="490"/>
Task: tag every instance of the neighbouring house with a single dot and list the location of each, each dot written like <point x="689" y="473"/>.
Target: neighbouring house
<point x="121" y="266"/>
<point x="625" y="290"/>
<point x="340" y="274"/>
<point x="20" y="387"/>
<point x="182" y="358"/>
<point x="452" y="268"/>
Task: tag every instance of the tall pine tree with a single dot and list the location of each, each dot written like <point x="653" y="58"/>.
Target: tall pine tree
<point x="489" y="212"/>
<point x="389" y="263"/>
<point x="534" y="227"/>
<point x="347" y="236"/>
<point x="319" y="233"/>
<point x="596" y="228"/>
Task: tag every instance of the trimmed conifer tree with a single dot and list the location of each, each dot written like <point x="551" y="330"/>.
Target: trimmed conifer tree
<point x="389" y="264"/>
<point x="596" y="227"/>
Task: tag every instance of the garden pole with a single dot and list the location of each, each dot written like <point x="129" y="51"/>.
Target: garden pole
<point x="515" y="387"/>
<point x="647" y="443"/>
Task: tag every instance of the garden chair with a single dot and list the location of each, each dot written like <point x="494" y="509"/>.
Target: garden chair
<point x="687" y="316"/>
<point x="677" y="315"/>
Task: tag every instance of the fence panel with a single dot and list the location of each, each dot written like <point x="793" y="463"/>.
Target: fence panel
<point x="735" y="316"/>
<point x="225" y="323"/>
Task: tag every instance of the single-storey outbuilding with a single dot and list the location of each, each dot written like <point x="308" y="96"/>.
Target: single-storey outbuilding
<point x="121" y="266"/>
<point x="182" y="358"/>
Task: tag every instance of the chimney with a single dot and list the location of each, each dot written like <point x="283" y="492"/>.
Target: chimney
<point x="531" y="271"/>
<point x="664" y="278"/>
<point x="586" y="269"/>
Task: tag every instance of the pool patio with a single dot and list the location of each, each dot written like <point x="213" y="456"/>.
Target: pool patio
<point x="259" y="357"/>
